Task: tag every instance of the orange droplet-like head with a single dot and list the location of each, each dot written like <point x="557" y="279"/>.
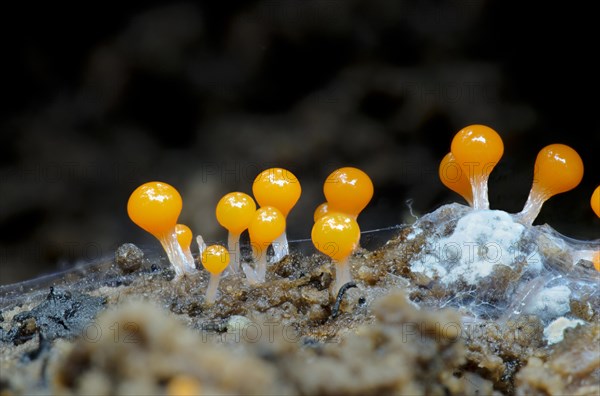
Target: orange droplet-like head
<point x="558" y="168"/>
<point x="184" y="236"/>
<point x="267" y="224"/>
<point x="277" y="187"/>
<point x="348" y="190"/>
<point x="336" y="235"/>
<point x="235" y="211"/>
<point x="477" y="149"/>
<point x="596" y="261"/>
<point x="595" y="201"/>
<point x="321" y="211"/>
<point x="453" y="177"/>
<point x="155" y="207"/>
<point x="215" y="258"/>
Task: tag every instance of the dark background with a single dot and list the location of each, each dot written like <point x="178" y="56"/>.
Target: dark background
<point x="99" y="99"/>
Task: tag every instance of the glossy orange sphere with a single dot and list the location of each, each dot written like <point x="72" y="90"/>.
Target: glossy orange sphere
<point x="267" y="224"/>
<point x="155" y="207"/>
<point x="277" y="187"/>
<point x="453" y="177"/>
<point x="184" y="236"/>
<point x="336" y="235"/>
<point x="321" y="211"/>
<point x="558" y="168"/>
<point x="348" y="190"/>
<point x="477" y="149"/>
<point x="215" y="258"/>
<point x="235" y="211"/>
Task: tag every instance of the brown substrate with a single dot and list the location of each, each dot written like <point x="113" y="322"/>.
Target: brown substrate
<point x="389" y="335"/>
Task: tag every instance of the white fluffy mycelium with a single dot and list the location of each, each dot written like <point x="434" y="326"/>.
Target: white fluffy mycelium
<point x="472" y="252"/>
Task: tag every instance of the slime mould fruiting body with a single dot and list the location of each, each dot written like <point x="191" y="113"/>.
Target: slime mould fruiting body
<point x="235" y="212"/>
<point x="497" y="264"/>
<point x="215" y="259"/>
<point x="491" y="263"/>
<point x="280" y="189"/>
<point x="155" y="207"/>
<point x="515" y="289"/>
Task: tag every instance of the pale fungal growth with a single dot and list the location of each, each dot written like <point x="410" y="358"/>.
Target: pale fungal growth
<point x="558" y="168"/>
<point x="554" y="332"/>
<point x="494" y="267"/>
<point x="477" y="149"/>
<point x="550" y="302"/>
<point x="481" y="241"/>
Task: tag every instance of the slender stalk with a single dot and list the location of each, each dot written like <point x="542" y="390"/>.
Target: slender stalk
<point x="261" y="266"/>
<point x="233" y="245"/>
<point x="250" y="274"/>
<point x="280" y="248"/>
<point x="176" y="255"/>
<point x="342" y="275"/>
<point x="480" y="193"/>
<point x="532" y="208"/>
<point x="211" y="290"/>
<point x="189" y="259"/>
